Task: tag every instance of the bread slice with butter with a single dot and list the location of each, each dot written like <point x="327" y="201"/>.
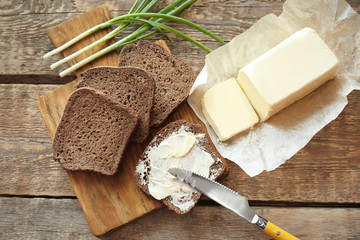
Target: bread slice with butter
<point x="178" y="144"/>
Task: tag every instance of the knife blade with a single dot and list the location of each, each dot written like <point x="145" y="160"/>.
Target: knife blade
<point x="231" y="200"/>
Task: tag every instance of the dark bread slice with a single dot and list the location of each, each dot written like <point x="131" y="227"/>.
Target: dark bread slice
<point x="218" y="170"/>
<point x="93" y="132"/>
<point x="133" y="87"/>
<point x="173" y="77"/>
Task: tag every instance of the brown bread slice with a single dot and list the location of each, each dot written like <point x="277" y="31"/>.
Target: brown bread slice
<point x="218" y="170"/>
<point x="133" y="87"/>
<point x="93" y="132"/>
<point x="173" y="77"/>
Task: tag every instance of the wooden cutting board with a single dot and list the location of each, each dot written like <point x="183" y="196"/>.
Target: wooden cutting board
<point x="107" y="201"/>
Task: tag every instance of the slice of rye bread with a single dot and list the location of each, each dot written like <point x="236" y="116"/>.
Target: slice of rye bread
<point x="93" y="132"/>
<point x="133" y="87"/>
<point x="173" y="77"/>
<point x="218" y="170"/>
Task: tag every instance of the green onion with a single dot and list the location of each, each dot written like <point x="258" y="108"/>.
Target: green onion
<point x="107" y="37"/>
<point x="130" y="18"/>
<point x="102" y="26"/>
<point x="155" y="21"/>
<point x="160" y="26"/>
<point x="134" y="5"/>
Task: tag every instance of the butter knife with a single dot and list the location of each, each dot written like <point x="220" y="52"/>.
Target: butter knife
<point x="231" y="200"/>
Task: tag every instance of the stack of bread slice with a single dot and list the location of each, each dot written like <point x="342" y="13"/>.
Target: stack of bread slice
<point x="114" y="105"/>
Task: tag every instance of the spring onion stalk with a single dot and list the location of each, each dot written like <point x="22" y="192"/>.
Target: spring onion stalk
<point x="131" y="18"/>
<point x="75" y="54"/>
<point x="134" y="16"/>
<point x="127" y="40"/>
<point x="160" y="26"/>
<point x="101" y="53"/>
<point x="110" y="23"/>
<point x="115" y="32"/>
<point x="100" y="27"/>
<point x="134" y="6"/>
<point x="76" y="39"/>
<point x="168" y="9"/>
<point x="108" y="36"/>
<point x="158" y="15"/>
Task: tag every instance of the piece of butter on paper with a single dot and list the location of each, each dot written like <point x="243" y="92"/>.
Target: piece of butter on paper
<point x="286" y="73"/>
<point x="227" y="109"/>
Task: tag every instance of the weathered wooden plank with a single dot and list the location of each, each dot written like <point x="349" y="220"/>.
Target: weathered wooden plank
<point x="13" y="7"/>
<point x="324" y="171"/>
<point x="210" y="222"/>
<point x="35" y="79"/>
<point x="26" y="164"/>
<point x="41" y="218"/>
<point x="20" y="118"/>
<point x="28" y="169"/>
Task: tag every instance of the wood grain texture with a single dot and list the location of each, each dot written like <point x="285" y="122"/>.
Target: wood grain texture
<point x="325" y="172"/>
<point x="322" y="172"/>
<point x="25" y="147"/>
<point x="41" y="218"/>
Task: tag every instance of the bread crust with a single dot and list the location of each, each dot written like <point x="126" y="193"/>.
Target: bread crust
<point x="217" y="170"/>
<point x="81" y="140"/>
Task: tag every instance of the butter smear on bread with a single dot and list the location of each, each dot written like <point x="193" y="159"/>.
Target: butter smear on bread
<point x="178" y="150"/>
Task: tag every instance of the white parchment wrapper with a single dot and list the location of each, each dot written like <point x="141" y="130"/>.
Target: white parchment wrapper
<point x="271" y="143"/>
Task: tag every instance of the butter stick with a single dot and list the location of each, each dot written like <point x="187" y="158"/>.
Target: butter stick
<point x="287" y="72"/>
<point x="227" y="109"/>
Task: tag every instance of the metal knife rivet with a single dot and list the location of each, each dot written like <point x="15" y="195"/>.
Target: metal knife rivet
<point x="278" y="233"/>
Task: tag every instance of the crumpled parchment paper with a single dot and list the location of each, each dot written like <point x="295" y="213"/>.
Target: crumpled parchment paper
<point x="271" y="143"/>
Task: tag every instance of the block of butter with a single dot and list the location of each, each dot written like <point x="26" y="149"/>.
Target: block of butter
<point x="227" y="109"/>
<point x="289" y="71"/>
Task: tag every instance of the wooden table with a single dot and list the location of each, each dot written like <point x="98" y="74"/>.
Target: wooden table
<point x="315" y="195"/>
